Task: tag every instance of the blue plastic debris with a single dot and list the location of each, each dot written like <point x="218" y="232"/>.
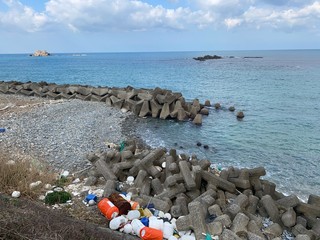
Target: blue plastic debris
<point x="145" y="221"/>
<point x="91" y="197"/>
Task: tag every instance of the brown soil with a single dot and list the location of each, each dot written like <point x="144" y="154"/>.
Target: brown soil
<point x="25" y="219"/>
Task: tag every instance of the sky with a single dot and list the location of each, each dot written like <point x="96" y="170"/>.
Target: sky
<point x="154" y="25"/>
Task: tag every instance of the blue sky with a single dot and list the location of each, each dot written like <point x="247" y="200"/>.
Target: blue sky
<point x="155" y="25"/>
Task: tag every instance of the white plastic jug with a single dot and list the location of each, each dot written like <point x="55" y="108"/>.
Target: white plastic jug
<point x="127" y="228"/>
<point x="167" y="230"/>
<point x="137" y="225"/>
<point x="133" y="214"/>
<point x="117" y="222"/>
<point x="156" y="223"/>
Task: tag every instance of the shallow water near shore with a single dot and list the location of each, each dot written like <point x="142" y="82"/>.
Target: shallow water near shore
<point x="279" y="94"/>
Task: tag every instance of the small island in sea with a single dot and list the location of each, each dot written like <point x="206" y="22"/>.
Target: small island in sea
<point x="40" y="53"/>
<point x="207" y="57"/>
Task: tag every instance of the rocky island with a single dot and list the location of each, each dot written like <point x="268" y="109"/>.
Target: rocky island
<point x="207" y="57"/>
<point x="40" y="53"/>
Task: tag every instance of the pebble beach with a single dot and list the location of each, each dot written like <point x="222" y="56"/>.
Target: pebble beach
<point x="59" y="132"/>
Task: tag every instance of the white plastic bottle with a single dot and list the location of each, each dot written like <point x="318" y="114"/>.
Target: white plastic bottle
<point x="137" y="225"/>
<point x="117" y="222"/>
<point x="133" y="214"/>
<point x="167" y="230"/>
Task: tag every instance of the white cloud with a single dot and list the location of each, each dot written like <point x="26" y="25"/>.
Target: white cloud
<point x="306" y="17"/>
<point x="21" y="17"/>
<point x="121" y="14"/>
<point x="138" y="15"/>
<point x="232" y="22"/>
<point x="225" y="8"/>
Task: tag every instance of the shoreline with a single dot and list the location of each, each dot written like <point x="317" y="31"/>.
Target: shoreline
<point x="61" y="132"/>
<point x="118" y="127"/>
<point x="232" y="186"/>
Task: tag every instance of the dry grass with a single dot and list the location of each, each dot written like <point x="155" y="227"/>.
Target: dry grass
<point x="25" y="219"/>
<point x="17" y="174"/>
<point x="28" y="219"/>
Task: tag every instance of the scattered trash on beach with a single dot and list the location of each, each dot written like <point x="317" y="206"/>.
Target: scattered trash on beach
<point x="15" y="194"/>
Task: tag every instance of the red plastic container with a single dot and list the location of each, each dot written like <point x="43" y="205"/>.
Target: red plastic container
<point x="147" y="233"/>
<point x="108" y="209"/>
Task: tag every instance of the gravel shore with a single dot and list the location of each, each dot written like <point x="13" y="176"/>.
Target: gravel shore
<point x="60" y="132"/>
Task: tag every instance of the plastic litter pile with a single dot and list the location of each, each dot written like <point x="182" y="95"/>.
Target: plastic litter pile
<point x="146" y="222"/>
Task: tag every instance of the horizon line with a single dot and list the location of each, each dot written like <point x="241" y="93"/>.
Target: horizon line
<point x="166" y="51"/>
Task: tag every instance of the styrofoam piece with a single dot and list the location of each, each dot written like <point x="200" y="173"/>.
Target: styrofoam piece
<point x="130" y="180"/>
<point x="15" y="194"/>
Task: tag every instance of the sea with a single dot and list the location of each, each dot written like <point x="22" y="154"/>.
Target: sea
<point x="278" y="91"/>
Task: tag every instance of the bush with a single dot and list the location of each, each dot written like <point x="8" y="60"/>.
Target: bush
<point x="57" y="197"/>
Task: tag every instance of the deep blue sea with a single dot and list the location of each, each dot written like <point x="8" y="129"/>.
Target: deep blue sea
<point x="279" y="94"/>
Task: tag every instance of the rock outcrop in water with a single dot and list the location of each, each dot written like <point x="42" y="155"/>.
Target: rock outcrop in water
<point x="207" y="57"/>
<point x="40" y="53"/>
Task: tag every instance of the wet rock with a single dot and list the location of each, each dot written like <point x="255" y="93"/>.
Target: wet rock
<point x="197" y="120"/>
<point x="217" y="106"/>
<point x="204" y="111"/>
<point x="232" y="109"/>
<point x="240" y="115"/>
<point x="207" y="103"/>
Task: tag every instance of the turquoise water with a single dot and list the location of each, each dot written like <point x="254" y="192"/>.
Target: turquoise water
<point x="279" y="94"/>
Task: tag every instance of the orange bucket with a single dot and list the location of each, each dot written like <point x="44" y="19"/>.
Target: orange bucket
<point x="108" y="209"/>
<point x="147" y="233"/>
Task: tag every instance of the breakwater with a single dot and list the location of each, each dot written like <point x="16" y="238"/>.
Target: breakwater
<point x="231" y="203"/>
<point x="157" y="103"/>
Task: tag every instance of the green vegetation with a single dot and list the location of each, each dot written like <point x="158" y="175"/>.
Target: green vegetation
<point x="57" y="197"/>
